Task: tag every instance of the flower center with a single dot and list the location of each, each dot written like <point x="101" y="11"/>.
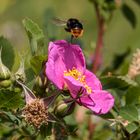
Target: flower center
<point x="77" y="75"/>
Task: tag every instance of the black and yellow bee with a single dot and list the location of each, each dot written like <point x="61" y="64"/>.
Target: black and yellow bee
<point x="73" y="26"/>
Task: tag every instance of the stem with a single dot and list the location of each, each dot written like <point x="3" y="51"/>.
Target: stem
<point x="91" y="128"/>
<point x="99" y="45"/>
<point x="97" y="57"/>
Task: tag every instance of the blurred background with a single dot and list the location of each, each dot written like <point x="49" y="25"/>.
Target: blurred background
<point x="119" y="35"/>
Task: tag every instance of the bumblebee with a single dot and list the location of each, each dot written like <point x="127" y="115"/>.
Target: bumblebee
<point x="73" y="26"/>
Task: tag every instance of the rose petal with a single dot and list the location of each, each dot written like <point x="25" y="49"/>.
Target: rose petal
<point x="103" y="100"/>
<point x="92" y="81"/>
<point x="71" y="54"/>
<point x="54" y="71"/>
<point x="73" y="85"/>
<point x="74" y="58"/>
<point x="56" y="43"/>
<point x="63" y="57"/>
<point x="99" y="101"/>
<point x="76" y="88"/>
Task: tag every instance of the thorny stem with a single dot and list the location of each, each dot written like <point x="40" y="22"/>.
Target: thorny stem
<point x="99" y="44"/>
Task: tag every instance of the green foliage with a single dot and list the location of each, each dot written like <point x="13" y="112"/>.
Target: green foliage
<point x="132" y="127"/>
<point x="5" y="83"/>
<point x="129" y="15"/>
<point x="105" y="135"/>
<point x="112" y="82"/>
<point x="8" y="53"/>
<point x="11" y="117"/>
<point x="126" y="91"/>
<point x="29" y="75"/>
<point x="137" y="79"/>
<point x="129" y="113"/>
<point x="10" y="99"/>
<point x="138" y="2"/>
<point x="37" y="63"/>
<point x="35" y="34"/>
<point x="133" y="95"/>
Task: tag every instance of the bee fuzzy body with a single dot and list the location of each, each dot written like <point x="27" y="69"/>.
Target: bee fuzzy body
<point x="74" y="27"/>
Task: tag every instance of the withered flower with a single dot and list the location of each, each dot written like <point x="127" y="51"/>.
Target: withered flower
<point x="35" y="111"/>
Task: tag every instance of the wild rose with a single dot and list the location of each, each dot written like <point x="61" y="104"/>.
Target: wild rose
<point x="66" y="68"/>
<point x="88" y="92"/>
<point x="63" y="56"/>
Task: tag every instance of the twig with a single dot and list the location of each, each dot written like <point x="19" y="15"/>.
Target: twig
<point x="97" y="57"/>
<point x="99" y="44"/>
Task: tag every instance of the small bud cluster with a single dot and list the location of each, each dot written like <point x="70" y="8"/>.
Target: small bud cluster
<point x="134" y="68"/>
<point x="20" y="74"/>
<point x="36" y="113"/>
<point x="6" y="77"/>
<point x="64" y="108"/>
<point x="5" y="74"/>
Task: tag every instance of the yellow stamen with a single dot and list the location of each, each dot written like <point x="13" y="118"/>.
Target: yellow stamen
<point x="77" y="75"/>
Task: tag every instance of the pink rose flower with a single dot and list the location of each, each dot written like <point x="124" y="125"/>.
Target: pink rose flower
<point x="66" y="68"/>
<point x="63" y="56"/>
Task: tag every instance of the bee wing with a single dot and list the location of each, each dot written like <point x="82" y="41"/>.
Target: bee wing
<point x="59" y="22"/>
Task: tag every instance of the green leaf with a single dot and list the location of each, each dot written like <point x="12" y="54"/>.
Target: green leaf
<point x="12" y="117"/>
<point x="106" y="134"/>
<point x="109" y="115"/>
<point x="29" y="74"/>
<point x="10" y="99"/>
<point x="128" y="80"/>
<point x="119" y="59"/>
<point x="129" y="113"/>
<point x="36" y="63"/>
<point x="133" y="95"/>
<point x="110" y="82"/>
<point x="129" y="14"/>
<point x="137" y="1"/>
<point x="8" y="53"/>
<point x="137" y="79"/>
<point x="131" y="127"/>
<point x="35" y="34"/>
<point x="33" y="28"/>
<point x="45" y="129"/>
<point x="138" y="107"/>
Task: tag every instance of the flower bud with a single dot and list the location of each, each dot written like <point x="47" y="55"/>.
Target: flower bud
<point x="4" y="71"/>
<point x="41" y="80"/>
<point x="5" y="83"/>
<point x="64" y="108"/>
<point x="38" y="81"/>
<point x="20" y="74"/>
<point x="40" y="85"/>
<point x="17" y="89"/>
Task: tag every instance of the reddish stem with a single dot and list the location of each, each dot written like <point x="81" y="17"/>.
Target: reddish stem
<point x="99" y="44"/>
<point x="91" y="128"/>
<point x="97" y="58"/>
